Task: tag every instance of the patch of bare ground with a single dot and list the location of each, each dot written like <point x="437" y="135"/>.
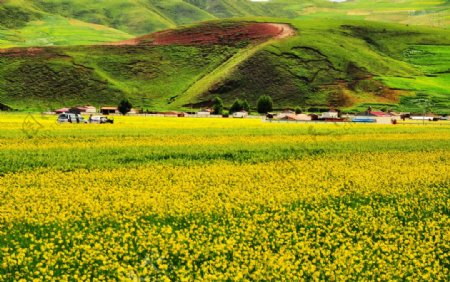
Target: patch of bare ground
<point x="214" y="33"/>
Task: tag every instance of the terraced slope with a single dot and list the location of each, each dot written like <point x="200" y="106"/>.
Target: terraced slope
<point x="347" y="64"/>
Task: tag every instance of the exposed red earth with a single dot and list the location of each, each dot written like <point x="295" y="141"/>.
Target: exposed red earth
<point x="205" y="34"/>
<point x="208" y="34"/>
<point x="20" y="52"/>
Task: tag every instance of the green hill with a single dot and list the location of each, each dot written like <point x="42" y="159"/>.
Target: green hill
<point x="344" y="63"/>
<point x="48" y="22"/>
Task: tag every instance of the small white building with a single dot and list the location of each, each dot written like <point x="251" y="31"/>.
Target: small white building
<point x="302" y="117"/>
<point x="293" y="117"/>
<point x="86" y="109"/>
<point x="133" y="111"/>
<point x="429" y="118"/>
<point x="241" y="114"/>
<point x="204" y="113"/>
<point x="386" y="120"/>
<point x="284" y="115"/>
<point x="330" y="114"/>
<point x="90" y="109"/>
<point x="109" y="110"/>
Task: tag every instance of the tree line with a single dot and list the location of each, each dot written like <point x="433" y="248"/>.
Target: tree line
<point x="263" y="105"/>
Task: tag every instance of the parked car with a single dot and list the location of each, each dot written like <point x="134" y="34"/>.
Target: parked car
<point x="100" y="119"/>
<point x="71" y="118"/>
<point x="241" y="114"/>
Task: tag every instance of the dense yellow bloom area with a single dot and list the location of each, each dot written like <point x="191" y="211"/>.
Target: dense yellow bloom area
<point x="43" y="196"/>
<point x="363" y="213"/>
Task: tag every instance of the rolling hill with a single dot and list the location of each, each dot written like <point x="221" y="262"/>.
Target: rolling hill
<point x="75" y="22"/>
<point x="344" y="63"/>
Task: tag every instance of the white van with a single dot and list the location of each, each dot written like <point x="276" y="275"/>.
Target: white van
<point x="70" y="118"/>
<point x="100" y="119"/>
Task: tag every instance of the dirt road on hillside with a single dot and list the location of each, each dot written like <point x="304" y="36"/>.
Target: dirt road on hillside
<point x="285" y="30"/>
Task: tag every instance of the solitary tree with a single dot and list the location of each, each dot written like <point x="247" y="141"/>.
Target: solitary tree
<point x="236" y="106"/>
<point x="125" y="106"/>
<point x="424" y="102"/>
<point x="264" y="104"/>
<point x="217" y="106"/>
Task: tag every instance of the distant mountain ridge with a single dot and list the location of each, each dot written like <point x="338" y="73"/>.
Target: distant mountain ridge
<point x="49" y="22"/>
<point x="135" y="17"/>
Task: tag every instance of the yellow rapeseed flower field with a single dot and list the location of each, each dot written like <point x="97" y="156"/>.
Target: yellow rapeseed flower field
<point x="172" y="199"/>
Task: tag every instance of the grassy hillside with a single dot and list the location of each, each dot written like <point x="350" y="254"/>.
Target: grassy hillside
<point x="150" y="76"/>
<point x="57" y="30"/>
<point x="51" y="19"/>
<point x="348" y="64"/>
<point x="46" y="22"/>
<point x="417" y="12"/>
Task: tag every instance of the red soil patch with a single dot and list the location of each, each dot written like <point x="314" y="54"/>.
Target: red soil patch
<point x="205" y="34"/>
<point x="45" y="53"/>
<point x="213" y="33"/>
<point x="20" y="52"/>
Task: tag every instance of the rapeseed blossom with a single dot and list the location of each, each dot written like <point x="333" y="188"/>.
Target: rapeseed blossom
<point x="361" y="211"/>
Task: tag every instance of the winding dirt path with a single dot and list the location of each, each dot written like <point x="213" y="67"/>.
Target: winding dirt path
<point x="259" y="35"/>
<point x="227" y="67"/>
<point x="285" y="30"/>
